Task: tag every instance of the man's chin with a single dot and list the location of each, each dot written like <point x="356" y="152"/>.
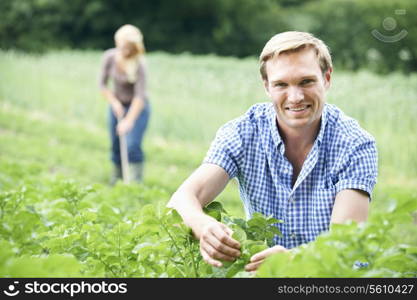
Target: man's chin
<point x="298" y="123"/>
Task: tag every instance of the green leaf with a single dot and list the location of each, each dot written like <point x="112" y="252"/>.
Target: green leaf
<point x="235" y="268"/>
<point x="259" y="222"/>
<point x="255" y="247"/>
<point x="175" y="216"/>
<point x="214" y="214"/>
<point x="226" y="263"/>
<point x="217" y="206"/>
<point x="407" y="206"/>
<point x="238" y="234"/>
<point x="240" y="222"/>
<point x="271" y="221"/>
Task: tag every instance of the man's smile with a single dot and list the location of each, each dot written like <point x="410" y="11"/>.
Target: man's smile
<point x="299" y="109"/>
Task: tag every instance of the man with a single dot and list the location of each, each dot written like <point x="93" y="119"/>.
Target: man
<point x="301" y="160"/>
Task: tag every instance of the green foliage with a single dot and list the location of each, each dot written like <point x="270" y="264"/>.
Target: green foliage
<point x="353" y="250"/>
<point x="225" y="27"/>
<point x="351" y="38"/>
<point x="48" y="266"/>
<point x="61" y="228"/>
<point x="253" y="235"/>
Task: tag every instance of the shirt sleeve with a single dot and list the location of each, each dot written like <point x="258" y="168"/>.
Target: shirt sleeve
<point x="360" y="169"/>
<point x="105" y="70"/>
<point x="226" y="150"/>
<point x="140" y="84"/>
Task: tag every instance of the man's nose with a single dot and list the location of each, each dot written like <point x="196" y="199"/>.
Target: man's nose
<point x="295" y="94"/>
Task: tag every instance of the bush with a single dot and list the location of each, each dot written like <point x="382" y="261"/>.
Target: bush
<point x="226" y="27"/>
<point x="348" y="27"/>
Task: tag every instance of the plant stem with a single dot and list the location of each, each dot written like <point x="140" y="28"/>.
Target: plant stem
<point x="190" y="247"/>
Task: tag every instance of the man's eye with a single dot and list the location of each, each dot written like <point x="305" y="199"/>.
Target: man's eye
<point x="280" y="84"/>
<point x="306" y="81"/>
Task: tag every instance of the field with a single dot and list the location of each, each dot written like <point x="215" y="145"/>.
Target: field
<point x="56" y="205"/>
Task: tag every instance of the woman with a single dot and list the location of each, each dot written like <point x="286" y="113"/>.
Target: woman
<point x="129" y="107"/>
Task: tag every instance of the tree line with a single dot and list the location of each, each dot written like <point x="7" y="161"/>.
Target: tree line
<point x="377" y="34"/>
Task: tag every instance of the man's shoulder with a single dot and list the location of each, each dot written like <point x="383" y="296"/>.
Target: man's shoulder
<point x="344" y="128"/>
<point x="253" y="119"/>
<point x="257" y="113"/>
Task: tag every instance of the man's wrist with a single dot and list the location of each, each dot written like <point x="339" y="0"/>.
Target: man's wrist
<point x="198" y="222"/>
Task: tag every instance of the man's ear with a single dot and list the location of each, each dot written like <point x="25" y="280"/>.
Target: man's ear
<point x="266" y="87"/>
<point x="327" y="78"/>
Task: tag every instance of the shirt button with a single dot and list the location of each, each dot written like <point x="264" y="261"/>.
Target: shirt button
<point x="292" y="200"/>
<point x="293" y="235"/>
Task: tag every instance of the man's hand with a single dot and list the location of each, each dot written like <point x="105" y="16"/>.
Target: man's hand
<point x="216" y="243"/>
<point x="124" y="126"/>
<point x="257" y="259"/>
<point x="195" y="193"/>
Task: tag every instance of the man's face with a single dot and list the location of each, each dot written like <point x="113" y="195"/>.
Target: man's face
<point x="297" y="88"/>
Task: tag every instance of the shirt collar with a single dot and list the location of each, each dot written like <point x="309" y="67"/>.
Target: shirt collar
<point x="276" y="137"/>
<point x="323" y="123"/>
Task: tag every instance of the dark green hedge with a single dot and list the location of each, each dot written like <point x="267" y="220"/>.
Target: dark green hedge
<point x="224" y="27"/>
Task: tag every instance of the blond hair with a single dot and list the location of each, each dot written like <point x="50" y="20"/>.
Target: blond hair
<point x="294" y="41"/>
<point x="132" y="35"/>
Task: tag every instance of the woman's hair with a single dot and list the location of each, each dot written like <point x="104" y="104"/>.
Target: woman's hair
<point x="294" y="41"/>
<point x="133" y="36"/>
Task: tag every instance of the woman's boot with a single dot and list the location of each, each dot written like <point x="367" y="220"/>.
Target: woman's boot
<point x="136" y="172"/>
<point x="116" y="174"/>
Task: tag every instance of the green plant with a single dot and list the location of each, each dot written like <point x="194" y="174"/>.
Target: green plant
<point x="353" y="250"/>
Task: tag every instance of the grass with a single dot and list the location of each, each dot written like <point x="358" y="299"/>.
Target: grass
<point x="51" y="115"/>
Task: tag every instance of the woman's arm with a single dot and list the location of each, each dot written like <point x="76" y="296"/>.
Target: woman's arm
<point x="108" y="95"/>
<point x="126" y="124"/>
<point x="116" y="105"/>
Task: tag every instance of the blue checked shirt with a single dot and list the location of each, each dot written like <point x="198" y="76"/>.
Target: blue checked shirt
<point x="250" y="148"/>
